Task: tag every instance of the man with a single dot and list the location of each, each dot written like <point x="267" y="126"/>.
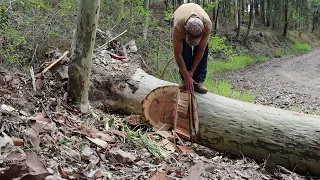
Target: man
<point x="191" y="28"/>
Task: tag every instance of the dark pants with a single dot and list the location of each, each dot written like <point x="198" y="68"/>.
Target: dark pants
<point x="188" y="55"/>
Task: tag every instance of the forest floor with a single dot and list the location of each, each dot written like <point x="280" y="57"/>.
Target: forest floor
<point x="42" y="136"/>
<point x="290" y="83"/>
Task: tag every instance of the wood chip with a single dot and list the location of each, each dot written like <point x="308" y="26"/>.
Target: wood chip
<point x="98" y="142"/>
<point x="17" y="141"/>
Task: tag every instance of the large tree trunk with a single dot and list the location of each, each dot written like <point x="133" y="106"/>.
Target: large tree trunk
<point x="227" y="125"/>
<point x="82" y="50"/>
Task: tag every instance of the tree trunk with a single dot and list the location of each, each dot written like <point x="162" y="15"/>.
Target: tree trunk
<point x="228" y="125"/>
<point x="263" y="11"/>
<point x="216" y="20"/>
<point x="236" y="19"/>
<point x="256" y="8"/>
<point x="250" y="21"/>
<point x="308" y="14"/>
<point x="268" y="13"/>
<point x="146" y="21"/>
<point x="239" y="22"/>
<point x="285" y="17"/>
<point x="82" y="50"/>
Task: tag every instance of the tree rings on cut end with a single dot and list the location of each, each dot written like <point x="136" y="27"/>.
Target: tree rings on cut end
<point x="170" y="105"/>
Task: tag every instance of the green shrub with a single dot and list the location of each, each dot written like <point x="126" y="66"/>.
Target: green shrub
<point x="301" y="48"/>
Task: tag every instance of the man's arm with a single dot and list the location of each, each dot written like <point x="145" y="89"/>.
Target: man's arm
<point x="178" y="48"/>
<point x="201" y="49"/>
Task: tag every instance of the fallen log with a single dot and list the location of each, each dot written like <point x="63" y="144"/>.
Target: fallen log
<point x="291" y="139"/>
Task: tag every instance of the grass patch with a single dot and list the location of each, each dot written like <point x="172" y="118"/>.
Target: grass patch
<point x="234" y="63"/>
<point x="301" y="48"/>
<point x="223" y="88"/>
<point x="296" y="49"/>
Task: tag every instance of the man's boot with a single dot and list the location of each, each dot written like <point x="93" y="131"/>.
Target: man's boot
<point x="200" y="88"/>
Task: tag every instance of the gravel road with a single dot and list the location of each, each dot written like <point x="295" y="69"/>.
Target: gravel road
<point x="291" y="83"/>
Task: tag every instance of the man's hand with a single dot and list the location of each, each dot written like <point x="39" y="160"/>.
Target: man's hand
<point x="191" y="73"/>
<point x="188" y="82"/>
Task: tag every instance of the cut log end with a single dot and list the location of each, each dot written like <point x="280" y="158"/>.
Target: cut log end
<point x="170" y="105"/>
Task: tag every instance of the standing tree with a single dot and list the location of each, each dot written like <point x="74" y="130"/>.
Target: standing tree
<point x="250" y="21"/>
<point x="286" y="4"/>
<point x="81" y="53"/>
<point x="239" y="22"/>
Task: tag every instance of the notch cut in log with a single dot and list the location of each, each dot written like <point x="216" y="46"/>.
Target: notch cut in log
<point x="170" y="105"/>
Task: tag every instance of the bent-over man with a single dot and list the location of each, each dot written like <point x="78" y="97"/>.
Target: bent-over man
<point x="191" y="31"/>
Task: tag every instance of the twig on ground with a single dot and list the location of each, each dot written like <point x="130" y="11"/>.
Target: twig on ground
<point x="55" y="62"/>
<point x="33" y="79"/>
<point x="104" y="45"/>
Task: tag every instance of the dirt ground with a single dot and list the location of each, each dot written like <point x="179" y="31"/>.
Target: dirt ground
<point x="43" y="137"/>
<point x="290" y="83"/>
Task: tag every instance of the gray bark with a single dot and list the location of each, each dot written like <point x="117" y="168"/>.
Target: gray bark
<point x="81" y="53"/>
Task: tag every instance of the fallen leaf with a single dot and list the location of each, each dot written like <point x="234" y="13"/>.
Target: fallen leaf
<point x="34" y="162"/>
<point x="41" y="117"/>
<point x="103" y="136"/>
<point x="72" y="154"/>
<point x="119" y="133"/>
<point x="159" y="176"/>
<point x="63" y="174"/>
<point x="15" y="171"/>
<point x="95" y="174"/>
<point x="35" y="177"/>
<point x="33" y="132"/>
<point x="5" y="141"/>
<point x="168" y="145"/>
<point x="195" y="171"/>
<point x="7" y="108"/>
<point x="98" y="142"/>
<point x="186" y="149"/>
<point x="17" y="141"/>
<point x="116" y="155"/>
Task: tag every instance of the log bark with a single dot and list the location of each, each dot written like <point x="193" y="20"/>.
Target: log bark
<point x="227" y="125"/>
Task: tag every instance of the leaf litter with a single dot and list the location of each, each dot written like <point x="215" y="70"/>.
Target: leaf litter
<point x="43" y="137"/>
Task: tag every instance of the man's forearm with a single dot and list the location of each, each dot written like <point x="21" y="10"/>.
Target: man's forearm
<point x="197" y="59"/>
<point x="181" y="65"/>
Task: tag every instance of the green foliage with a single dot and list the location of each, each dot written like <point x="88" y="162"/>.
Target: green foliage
<point x="223" y="88"/>
<point x="300" y="48"/>
<point x="219" y="47"/>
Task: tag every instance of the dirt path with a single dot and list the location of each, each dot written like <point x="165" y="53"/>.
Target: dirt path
<point x="291" y="83"/>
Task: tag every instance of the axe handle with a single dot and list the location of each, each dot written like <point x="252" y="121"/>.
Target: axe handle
<point x="192" y="128"/>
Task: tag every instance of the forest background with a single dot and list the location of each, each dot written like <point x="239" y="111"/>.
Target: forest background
<point x="244" y="32"/>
